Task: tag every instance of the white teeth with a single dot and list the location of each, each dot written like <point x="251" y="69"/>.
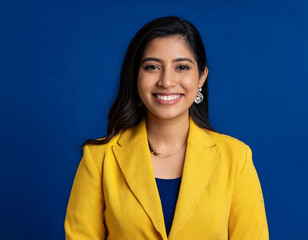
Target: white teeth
<point x="167" y="98"/>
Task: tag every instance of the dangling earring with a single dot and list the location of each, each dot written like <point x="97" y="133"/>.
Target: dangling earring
<point x="199" y="96"/>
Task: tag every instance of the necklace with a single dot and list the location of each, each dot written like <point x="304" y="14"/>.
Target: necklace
<point x="154" y="152"/>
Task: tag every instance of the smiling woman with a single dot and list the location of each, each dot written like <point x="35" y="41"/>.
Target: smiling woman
<point x="162" y="172"/>
<point x="168" y="78"/>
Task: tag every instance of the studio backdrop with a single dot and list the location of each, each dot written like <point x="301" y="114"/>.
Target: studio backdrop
<point x="59" y="66"/>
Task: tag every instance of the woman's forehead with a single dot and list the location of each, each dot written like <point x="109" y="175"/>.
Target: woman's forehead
<point x="168" y="47"/>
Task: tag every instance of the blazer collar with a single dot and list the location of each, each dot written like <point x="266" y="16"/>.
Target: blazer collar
<point x="133" y="156"/>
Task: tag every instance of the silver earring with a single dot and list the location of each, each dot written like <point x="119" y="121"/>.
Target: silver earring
<point x="199" y="96"/>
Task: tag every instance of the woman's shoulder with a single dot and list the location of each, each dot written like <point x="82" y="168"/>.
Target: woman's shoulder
<point x="228" y="142"/>
<point x="99" y="148"/>
<point x="233" y="150"/>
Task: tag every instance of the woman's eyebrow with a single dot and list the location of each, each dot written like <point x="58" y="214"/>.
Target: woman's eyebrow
<point x="159" y="60"/>
<point x="182" y="59"/>
<point x="151" y="59"/>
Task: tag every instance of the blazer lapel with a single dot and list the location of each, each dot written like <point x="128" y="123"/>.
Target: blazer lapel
<point x="202" y="155"/>
<point x="133" y="156"/>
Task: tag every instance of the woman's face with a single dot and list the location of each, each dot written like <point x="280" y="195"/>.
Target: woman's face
<point x="168" y="78"/>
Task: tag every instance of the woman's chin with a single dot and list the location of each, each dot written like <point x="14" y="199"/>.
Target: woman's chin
<point x="167" y="115"/>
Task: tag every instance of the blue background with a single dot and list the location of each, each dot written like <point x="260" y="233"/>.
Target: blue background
<point x="60" y="62"/>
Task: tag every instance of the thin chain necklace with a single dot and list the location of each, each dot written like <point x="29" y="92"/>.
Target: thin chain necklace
<point x="154" y="152"/>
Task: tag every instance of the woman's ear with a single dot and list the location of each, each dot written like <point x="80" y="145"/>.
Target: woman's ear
<point x="203" y="77"/>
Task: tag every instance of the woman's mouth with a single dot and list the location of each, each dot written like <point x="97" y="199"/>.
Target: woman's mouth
<point x="167" y="99"/>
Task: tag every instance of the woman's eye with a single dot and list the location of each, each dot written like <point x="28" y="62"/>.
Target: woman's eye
<point x="182" y="67"/>
<point x="151" y="67"/>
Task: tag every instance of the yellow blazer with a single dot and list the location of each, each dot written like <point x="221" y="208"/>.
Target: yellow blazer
<point x="114" y="194"/>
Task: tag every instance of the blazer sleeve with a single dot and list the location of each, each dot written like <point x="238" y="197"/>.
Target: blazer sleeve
<point x="247" y="220"/>
<point x="85" y="211"/>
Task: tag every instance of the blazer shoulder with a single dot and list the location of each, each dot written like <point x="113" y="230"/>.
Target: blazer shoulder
<point x="224" y="138"/>
<point x="236" y="152"/>
<point x="228" y="142"/>
<point x="98" y="151"/>
<point x="103" y="147"/>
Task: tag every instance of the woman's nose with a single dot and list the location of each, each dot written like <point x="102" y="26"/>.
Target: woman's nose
<point x="167" y="79"/>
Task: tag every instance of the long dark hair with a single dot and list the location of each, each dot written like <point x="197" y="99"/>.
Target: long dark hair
<point x="125" y="112"/>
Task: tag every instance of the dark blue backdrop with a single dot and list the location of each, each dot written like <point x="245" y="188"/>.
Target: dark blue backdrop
<point x="59" y="64"/>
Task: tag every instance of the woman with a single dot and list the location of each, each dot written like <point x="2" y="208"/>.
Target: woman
<point x="162" y="172"/>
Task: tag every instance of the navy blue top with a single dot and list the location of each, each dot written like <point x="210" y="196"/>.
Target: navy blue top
<point x="168" y="191"/>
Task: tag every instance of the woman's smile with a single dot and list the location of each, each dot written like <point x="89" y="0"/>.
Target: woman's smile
<point x="168" y="78"/>
<point x="167" y="98"/>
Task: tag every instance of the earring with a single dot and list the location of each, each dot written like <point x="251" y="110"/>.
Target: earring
<point x="199" y="96"/>
<point x="140" y="103"/>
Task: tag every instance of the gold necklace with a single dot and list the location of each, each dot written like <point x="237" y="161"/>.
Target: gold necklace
<point x="154" y="152"/>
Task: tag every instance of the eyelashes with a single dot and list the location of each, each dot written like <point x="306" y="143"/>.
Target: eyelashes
<point x="154" y="67"/>
<point x="183" y="67"/>
<point x="151" y="67"/>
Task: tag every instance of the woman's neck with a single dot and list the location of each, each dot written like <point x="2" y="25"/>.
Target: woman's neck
<point x="166" y="134"/>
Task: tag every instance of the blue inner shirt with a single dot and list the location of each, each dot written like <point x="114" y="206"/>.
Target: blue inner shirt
<point x="168" y="191"/>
